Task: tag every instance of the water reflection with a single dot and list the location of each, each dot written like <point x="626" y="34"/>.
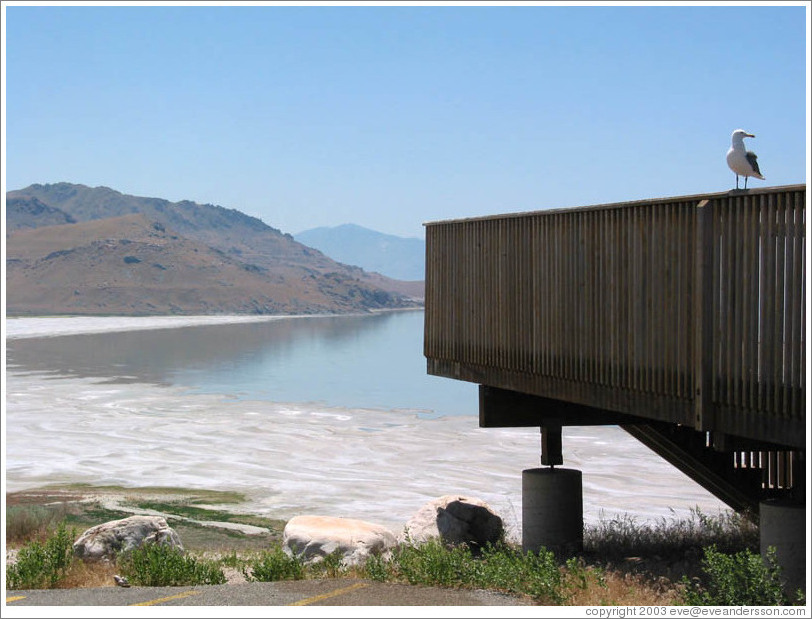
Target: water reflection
<point x="371" y="361"/>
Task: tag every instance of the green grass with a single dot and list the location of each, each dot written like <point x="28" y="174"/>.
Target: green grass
<point x="160" y="565"/>
<point x="732" y="571"/>
<point x="272" y="565"/>
<point x="500" y="568"/>
<point x="208" y="497"/>
<point x="94" y="514"/>
<point x="186" y="509"/>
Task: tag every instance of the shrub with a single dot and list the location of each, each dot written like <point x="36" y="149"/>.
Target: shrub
<point x="623" y="536"/>
<point x="274" y="565"/>
<point x="376" y="568"/>
<point x="40" y="565"/>
<point x="740" y="579"/>
<point x="160" y="565"/>
<point x="331" y="565"/>
<point x="26" y="523"/>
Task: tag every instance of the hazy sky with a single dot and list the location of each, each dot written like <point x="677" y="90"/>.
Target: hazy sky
<point x="391" y="116"/>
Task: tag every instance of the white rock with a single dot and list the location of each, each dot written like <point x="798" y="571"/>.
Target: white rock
<point x="311" y="538"/>
<point x="454" y="519"/>
<point x="105" y="541"/>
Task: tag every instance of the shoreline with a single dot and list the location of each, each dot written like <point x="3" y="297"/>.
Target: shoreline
<point x="23" y="327"/>
<point x="290" y="458"/>
<point x="305" y="458"/>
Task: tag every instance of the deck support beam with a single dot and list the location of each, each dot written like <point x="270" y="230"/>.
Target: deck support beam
<point x="503" y="408"/>
<point x="551" y="453"/>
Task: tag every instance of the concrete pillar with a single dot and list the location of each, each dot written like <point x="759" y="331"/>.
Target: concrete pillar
<point x="782" y="524"/>
<point x="552" y="510"/>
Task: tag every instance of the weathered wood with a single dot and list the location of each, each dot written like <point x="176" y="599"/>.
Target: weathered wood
<point x="608" y="305"/>
<point x="703" y="317"/>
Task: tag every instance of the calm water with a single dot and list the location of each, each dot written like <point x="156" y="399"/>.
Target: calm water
<point x="353" y="361"/>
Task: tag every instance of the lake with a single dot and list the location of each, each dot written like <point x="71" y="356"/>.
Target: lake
<point x="368" y="361"/>
<point x="331" y="415"/>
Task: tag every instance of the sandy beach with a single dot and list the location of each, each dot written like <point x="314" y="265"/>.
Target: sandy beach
<point x="292" y="458"/>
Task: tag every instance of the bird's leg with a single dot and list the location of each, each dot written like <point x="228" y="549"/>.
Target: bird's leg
<point x="737" y="181"/>
<point x="745" y="182"/>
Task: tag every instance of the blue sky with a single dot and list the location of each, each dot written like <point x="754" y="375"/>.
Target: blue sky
<point x="389" y="116"/>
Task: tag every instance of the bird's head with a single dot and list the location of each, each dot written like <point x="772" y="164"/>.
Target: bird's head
<point x="741" y="134"/>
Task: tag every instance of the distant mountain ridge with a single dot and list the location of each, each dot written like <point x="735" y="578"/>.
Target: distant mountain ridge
<point x="77" y="249"/>
<point x="28" y="212"/>
<point x="397" y="257"/>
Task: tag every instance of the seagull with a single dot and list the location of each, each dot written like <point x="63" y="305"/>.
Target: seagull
<point x="742" y="162"/>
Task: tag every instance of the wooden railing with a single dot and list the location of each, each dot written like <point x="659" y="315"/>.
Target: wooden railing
<point x="688" y="310"/>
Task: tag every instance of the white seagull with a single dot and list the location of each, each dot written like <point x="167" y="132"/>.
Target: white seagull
<point x="742" y="162"/>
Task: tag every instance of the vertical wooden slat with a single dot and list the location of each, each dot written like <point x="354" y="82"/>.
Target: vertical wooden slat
<point x="752" y="284"/>
<point x="612" y="317"/>
<point x="600" y="307"/>
<point x="647" y="285"/>
<point x="790" y="301"/>
<point x="778" y="328"/>
<point x="685" y="273"/>
<point x="798" y="303"/>
<point x="730" y="301"/>
<point x="703" y="313"/>
<point x="635" y="300"/>
<point x="768" y="303"/>
<point x="542" y="298"/>
<point x="736" y="304"/>
<point x="666" y="303"/>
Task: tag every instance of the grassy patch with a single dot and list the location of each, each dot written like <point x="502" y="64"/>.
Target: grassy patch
<point x="187" y="510"/>
<point x="624" y="562"/>
<point x="160" y="565"/>
<point x="90" y="514"/>
<point x="30" y="522"/>
<point x="272" y="565"/>
<point x="208" y="497"/>
<point x="503" y="568"/>
<point x="622" y="537"/>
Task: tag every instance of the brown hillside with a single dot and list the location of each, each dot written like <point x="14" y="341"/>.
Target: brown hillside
<point x="241" y="236"/>
<point x="131" y="265"/>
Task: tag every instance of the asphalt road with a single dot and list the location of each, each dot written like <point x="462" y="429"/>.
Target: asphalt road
<point x="327" y="592"/>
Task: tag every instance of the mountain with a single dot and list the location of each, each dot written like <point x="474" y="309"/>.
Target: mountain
<point x="393" y="256"/>
<point x="28" y="212"/>
<point x="76" y="249"/>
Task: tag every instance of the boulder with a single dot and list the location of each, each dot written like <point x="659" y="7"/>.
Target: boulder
<point x="311" y="538"/>
<point x="105" y="541"/>
<point x="454" y="519"/>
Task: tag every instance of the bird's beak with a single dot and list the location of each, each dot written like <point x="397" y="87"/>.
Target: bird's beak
<point x="749" y="135"/>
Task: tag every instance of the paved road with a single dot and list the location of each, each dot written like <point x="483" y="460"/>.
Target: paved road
<point x="327" y="592"/>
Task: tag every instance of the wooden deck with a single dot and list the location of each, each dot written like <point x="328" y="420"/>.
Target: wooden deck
<point x="687" y="311"/>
